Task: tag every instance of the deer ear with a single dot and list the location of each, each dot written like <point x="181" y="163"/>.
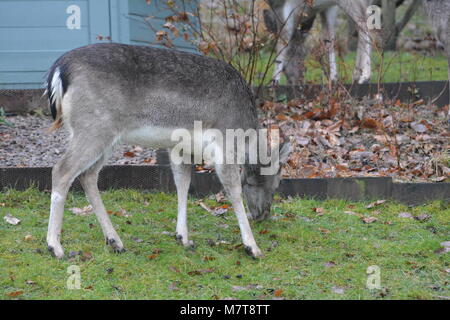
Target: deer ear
<point x="285" y="151"/>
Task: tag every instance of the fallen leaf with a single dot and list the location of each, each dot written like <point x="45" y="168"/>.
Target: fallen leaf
<point x="422" y="217"/>
<point x="325" y="231"/>
<point x="375" y="204"/>
<point x="129" y="154"/>
<point x="174" y="269"/>
<point x="208" y="258"/>
<point x="369" y="219"/>
<point x="28" y="237"/>
<point x="329" y="264"/>
<point x="86" y="256"/>
<point x="445" y="244"/>
<point x="338" y="290"/>
<point x="11" y="220"/>
<point x="15" y="293"/>
<point x="351" y="213"/>
<point x="238" y="288"/>
<point x="278" y="293"/>
<point x="152" y="256"/>
<point x="200" y="272"/>
<point x="319" y="211"/>
<point x="405" y="215"/>
<point x="418" y="127"/>
<point x="82" y="212"/>
<point x="174" y="285"/>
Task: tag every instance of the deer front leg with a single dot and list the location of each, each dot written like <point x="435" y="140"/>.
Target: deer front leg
<point x="231" y="181"/>
<point x="182" y="178"/>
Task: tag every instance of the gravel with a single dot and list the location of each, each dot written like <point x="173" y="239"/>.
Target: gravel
<point x="28" y="144"/>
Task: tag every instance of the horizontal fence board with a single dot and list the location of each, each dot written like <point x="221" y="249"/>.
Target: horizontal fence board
<point x="159" y="178"/>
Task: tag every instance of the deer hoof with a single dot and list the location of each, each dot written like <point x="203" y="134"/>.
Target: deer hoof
<point x="186" y="244"/>
<point x="115" y="245"/>
<point x="56" y="250"/>
<point x="254" y="252"/>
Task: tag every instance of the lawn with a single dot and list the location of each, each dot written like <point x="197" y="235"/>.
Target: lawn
<point x="309" y="253"/>
<point x="393" y="67"/>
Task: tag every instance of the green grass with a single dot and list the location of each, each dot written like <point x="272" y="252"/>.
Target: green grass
<point x="396" y="67"/>
<point x="404" y="249"/>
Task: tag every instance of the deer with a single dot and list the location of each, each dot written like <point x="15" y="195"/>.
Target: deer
<point x="292" y="20"/>
<point x="104" y="94"/>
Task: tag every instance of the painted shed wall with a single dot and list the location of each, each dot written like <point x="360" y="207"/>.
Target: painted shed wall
<point x="33" y="33"/>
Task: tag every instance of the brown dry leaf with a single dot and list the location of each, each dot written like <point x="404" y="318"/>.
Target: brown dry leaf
<point x="200" y="272"/>
<point x="208" y="258"/>
<point x="15" y="293"/>
<point x="375" y="204"/>
<point x="319" y="211"/>
<point x="265" y="231"/>
<point x="28" y="237"/>
<point x="153" y="256"/>
<point x="370" y="124"/>
<point x="85" y="256"/>
<point x="129" y="154"/>
<point x="325" y="231"/>
<point x="278" y="293"/>
<point x="369" y="219"/>
<point x="82" y="211"/>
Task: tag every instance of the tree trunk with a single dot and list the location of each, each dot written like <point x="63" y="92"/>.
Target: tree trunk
<point x="389" y="31"/>
<point x="352" y="35"/>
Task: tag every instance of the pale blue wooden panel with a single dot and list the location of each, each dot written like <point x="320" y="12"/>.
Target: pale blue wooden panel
<point x="99" y="22"/>
<point x="145" y="19"/>
<point x="142" y="33"/>
<point x="47" y="39"/>
<point x="14" y="79"/>
<point x="160" y="9"/>
<point x="27" y="60"/>
<point x="120" y="29"/>
<point x="16" y="13"/>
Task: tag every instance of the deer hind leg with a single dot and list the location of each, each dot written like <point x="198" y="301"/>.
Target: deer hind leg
<point x="182" y="178"/>
<point x="89" y="182"/>
<point x="79" y="157"/>
<point x="230" y="178"/>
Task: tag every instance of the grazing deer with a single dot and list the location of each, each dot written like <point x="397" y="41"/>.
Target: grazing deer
<point x="294" y="19"/>
<point x="106" y="93"/>
<point x="439" y="14"/>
